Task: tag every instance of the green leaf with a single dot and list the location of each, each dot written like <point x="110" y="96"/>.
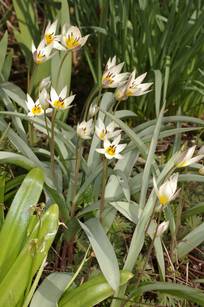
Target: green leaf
<point x="2" y="191"/>
<point x="3" y="49"/>
<point x="50" y="290"/>
<point x="104" y="251"/>
<point x="190" y="241"/>
<point x="13" y="232"/>
<point x="185" y="292"/>
<point x="91" y="292"/>
<point x="127" y="209"/>
<point x="197" y="209"/>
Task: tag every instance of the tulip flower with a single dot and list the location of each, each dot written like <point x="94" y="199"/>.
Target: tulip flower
<point x="112" y="150"/>
<point x="108" y="132"/>
<point x="167" y="191"/>
<point x="162" y="228"/>
<point x="50" y="38"/>
<point x="93" y="110"/>
<point x="35" y="108"/>
<point x="60" y="102"/>
<point x="133" y="87"/>
<point x="71" y="38"/>
<point x="42" y="53"/>
<point x="84" y="129"/>
<point x="112" y="77"/>
<point x="185" y="158"/>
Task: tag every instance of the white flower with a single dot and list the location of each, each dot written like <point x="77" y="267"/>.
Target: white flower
<point x="108" y="132"/>
<point x="35" y="109"/>
<point x="44" y="99"/>
<point x="162" y="228"/>
<point x="112" y="150"/>
<point x="71" y="37"/>
<point x="60" y="102"/>
<point x="45" y="83"/>
<point x="84" y="129"/>
<point x="50" y="38"/>
<point x="185" y="158"/>
<point x="133" y="87"/>
<point x="93" y="110"/>
<point x="167" y="191"/>
<point x="42" y="53"/>
<point x="111" y="76"/>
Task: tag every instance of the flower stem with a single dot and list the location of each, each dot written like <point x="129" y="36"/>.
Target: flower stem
<point x="52" y="143"/>
<point x="76" y="176"/>
<point x="116" y="106"/>
<point x="102" y="201"/>
<point x="60" y="68"/>
<point x="149" y="250"/>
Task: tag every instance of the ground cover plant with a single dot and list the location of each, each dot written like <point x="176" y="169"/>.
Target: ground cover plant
<point x="100" y="207"/>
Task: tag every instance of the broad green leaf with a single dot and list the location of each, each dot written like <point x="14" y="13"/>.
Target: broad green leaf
<point x="13" y="232"/>
<point x="91" y="292"/>
<point x="104" y="251"/>
<point x="190" y="241"/>
<point x="128" y="209"/>
<point x="50" y="290"/>
<point x="195" y="209"/>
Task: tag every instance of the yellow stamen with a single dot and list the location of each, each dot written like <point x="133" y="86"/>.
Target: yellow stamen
<point x="107" y="79"/>
<point x="39" y="57"/>
<point x="58" y="104"/>
<point x="163" y="199"/>
<point x="72" y="42"/>
<point x="111" y="150"/>
<point x="37" y="110"/>
<point x="49" y="37"/>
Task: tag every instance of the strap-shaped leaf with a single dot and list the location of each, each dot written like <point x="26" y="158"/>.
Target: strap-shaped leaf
<point x="104" y="251"/>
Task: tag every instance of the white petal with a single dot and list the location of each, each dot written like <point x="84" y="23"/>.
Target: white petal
<point x="63" y="92"/>
<point x="195" y="159"/>
<point x="49" y="110"/>
<point x="155" y="186"/>
<point x="106" y="143"/>
<point x="139" y="79"/>
<point x="30" y="102"/>
<point x="190" y="153"/>
<point x="75" y="31"/>
<point x="100" y="150"/>
<point x="53" y="94"/>
<point x="120" y="147"/>
<point x="33" y="48"/>
<point x="58" y="46"/>
<point x="109" y="157"/>
<point x="116" y="141"/>
<point x="68" y="100"/>
<point x="119" y="157"/>
<point x="101" y="125"/>
<point x="83" y="40"/>
<point x="52" y="28"/>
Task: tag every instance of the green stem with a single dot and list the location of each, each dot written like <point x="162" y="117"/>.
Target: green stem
<point x="31" y="133"/>
<point x="149" y="251"/>
<point x="116" y="106"/>
<point x="60" y="68"/>
<point x="76" y="176"/>
<point x="52" y="143"/>
<point x="102" y="201"/>
<point x="46" y="125"/>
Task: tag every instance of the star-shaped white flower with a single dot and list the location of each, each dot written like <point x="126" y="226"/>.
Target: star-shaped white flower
<point x="84" y="129"/>
<point x="133" y="87"/>
<point x="185" y="158"/>
<point x="93" y="109"/>
<point x="112" y="150"/>
<point x="50" y="38"/>
<point x="167" y="191"/>
<point x="60" y="102"/>
<point x="35" y="108"/>
<point x="108" y="132"/>
<point x="44" y="99"/>
<point x="112" y="77"/>
<point x="71" y="37"/>
<point x="42" y="53"/>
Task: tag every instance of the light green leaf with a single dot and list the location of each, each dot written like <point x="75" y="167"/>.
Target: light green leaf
<point x="104" y="251"/>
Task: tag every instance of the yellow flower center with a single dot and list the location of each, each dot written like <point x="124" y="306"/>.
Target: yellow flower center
<point x="102" y="135"/>
<point x="37" y="110"/>
<point x="111" y="150"/>
<point x="129" y="92"/>
<point x="72" y="42"/>
<point x="182" y="164"/>
<point x="163" y="199"/>
<point x="39" y="57"/>
<point x="107" y="79"/>
<point x="58" y="104"/>
<point x="49" y="37"/>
